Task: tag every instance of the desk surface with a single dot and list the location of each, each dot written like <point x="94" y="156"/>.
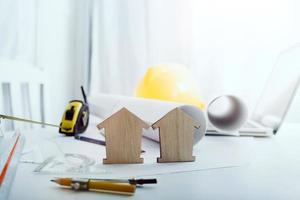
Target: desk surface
<point x="273" y="172"/>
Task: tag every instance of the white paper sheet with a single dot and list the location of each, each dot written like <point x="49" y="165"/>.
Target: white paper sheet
<point x="211" y="153"/>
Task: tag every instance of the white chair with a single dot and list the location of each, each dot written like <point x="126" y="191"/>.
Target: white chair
<point x="22" y="94"/>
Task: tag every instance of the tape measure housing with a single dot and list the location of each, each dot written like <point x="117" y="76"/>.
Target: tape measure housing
<point x="75" y="118"/>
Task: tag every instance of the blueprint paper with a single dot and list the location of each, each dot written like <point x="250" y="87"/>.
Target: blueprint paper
<point x="149" y="110"/>
<point x="207" y="156"/>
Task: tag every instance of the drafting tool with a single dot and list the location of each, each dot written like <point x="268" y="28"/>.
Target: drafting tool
<point x="67" y="163"/>
<point x="91" y="140"/>
<point x="75" y="119"/>
<point x="97" y="185"/>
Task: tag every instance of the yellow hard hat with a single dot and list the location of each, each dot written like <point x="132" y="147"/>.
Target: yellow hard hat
<point x="170" y="82"/>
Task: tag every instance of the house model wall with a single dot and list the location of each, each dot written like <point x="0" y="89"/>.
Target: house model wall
<point x="176" y="133"/>
<point x="123" y="137"/>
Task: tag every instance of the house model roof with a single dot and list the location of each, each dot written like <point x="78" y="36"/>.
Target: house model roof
<point x="176" y="111"/>
<point x="125" y="112"/>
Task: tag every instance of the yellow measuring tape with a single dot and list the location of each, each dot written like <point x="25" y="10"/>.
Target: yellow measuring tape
<point x="26" y="120"/>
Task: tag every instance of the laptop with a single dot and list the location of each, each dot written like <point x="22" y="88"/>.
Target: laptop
<point x="276" y="98"/>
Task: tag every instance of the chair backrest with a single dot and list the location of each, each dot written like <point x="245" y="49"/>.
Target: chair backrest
<point x="22" y="94"/>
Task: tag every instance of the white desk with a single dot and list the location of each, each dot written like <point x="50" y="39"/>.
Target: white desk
<point x="273" y="172"/>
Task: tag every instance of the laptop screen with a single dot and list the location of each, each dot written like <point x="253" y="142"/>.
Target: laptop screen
<point x="280" y="89"/>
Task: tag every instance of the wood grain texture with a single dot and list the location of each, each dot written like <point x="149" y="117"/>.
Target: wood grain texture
<point x="176" y="133"/>
<point x="123" y="137"/>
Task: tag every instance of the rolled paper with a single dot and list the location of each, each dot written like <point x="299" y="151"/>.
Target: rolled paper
<point x="227" y="113"/>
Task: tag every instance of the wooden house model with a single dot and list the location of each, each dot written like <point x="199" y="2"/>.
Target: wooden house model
<point x="123" y="137"/>
<point x="176" y="134"/>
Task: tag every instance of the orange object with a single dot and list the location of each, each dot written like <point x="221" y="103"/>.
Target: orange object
<point x="97" y="185"/>
<point x="5" y="168"/>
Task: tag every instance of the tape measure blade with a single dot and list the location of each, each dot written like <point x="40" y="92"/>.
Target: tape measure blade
<point x="26" y="120"/>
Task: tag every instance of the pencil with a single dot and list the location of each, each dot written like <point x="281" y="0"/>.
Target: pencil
<point x="97" y="185"/>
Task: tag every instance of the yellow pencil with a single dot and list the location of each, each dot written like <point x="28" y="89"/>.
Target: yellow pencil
<point x="97" y="185"/>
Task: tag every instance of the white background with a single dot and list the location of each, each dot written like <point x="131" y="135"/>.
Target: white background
<point x="230" y="46"/>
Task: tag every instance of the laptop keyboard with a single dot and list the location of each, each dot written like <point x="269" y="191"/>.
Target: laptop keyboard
<point x="246" y="125"/>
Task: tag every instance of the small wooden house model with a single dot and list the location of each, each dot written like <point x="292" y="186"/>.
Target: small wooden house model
<point x="176" y="134"/>
<point x="123" y="137"/>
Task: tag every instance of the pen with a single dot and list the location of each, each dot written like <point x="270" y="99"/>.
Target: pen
<point x="131" y="181"/>
<point x="91" y="140"/>
<point x="97" y="185"/>
<point x="94" y="141"/>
